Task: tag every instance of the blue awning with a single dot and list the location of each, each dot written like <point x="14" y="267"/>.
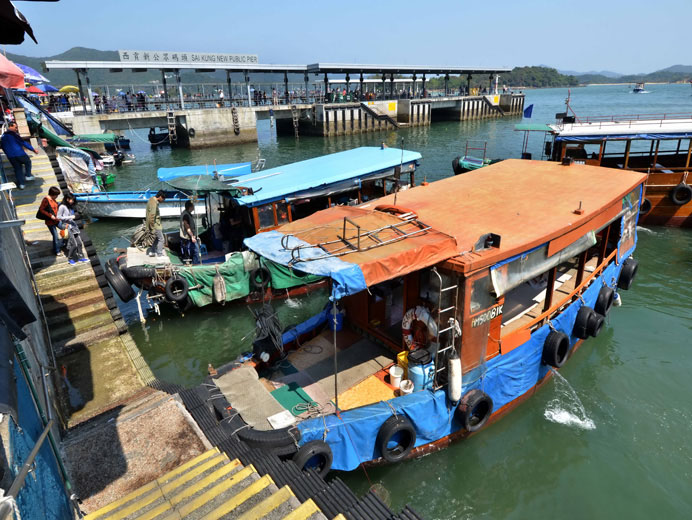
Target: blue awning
<point x="228" y="171"/>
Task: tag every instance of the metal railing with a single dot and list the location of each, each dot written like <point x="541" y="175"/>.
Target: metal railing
<point x="636" y="117"/>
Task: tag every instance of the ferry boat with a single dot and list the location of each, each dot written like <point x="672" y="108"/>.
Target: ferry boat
<point x="254" y="204"/>
<point x="451" y="304"/>
<point x="659" y="145"/>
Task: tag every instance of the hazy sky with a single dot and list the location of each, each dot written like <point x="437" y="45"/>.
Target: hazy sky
<point x="625" y="36"/>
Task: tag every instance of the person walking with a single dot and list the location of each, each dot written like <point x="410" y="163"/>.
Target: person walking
<point x="48" y="211"/>
<point x="153" y="223"/>
<point x="75" y="246"/>
<point x="188" y="234"/>
<point x="13" y="146"/>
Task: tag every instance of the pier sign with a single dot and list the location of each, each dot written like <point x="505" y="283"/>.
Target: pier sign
<point x="186" y="57"/>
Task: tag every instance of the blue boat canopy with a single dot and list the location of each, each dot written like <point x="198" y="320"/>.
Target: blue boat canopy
<point x="323" y="175"/>
<point x="228" y="171"/>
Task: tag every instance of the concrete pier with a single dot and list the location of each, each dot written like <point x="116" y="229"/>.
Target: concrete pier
<point x="205" y="127"/>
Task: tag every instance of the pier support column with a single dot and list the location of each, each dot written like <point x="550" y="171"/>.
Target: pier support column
<point x="286" y="96"/>
<point x="246" y="74"/>
<point x="81" y="90"/>
<point x="165" y="88"/>
<point x="446" y="84"/>
<point x="306" y="78"/>
<point x="230" y="92"/>
<point x="423" y="86"/>
<point x="391" y="86"/>
<point x="362" y="94"/>
<point x="91" y="95"/>
<point x="468" y="85"/>
<point x="180" y="89"/>
<point x="413" y="89"/>
<point x="326" y="88"/>
<point x="384" y="86"/>
<point x="490" y="84"/>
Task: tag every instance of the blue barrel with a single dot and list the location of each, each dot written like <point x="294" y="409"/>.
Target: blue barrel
<point x="335" y="324"/>
<point x="421" y="369"/>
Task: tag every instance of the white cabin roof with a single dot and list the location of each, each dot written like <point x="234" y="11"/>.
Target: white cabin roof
<point x="623" y="127"/>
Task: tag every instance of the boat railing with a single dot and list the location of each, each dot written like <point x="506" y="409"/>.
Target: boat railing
<point x="637" y="117"/>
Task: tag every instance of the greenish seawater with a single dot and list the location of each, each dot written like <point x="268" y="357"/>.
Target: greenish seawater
<point x="611" y="441"/>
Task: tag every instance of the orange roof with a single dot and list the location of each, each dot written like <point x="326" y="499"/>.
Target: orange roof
<point x="527" y="203"/>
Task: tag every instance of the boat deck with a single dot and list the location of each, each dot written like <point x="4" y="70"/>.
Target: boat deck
<point x="302" y="384"/>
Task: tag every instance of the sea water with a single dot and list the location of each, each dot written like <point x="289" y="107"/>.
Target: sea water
<point x="633" y="380"/>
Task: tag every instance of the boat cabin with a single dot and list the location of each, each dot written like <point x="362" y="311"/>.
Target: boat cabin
<point x="659" y="145"/>
<point x="461" y="285"/>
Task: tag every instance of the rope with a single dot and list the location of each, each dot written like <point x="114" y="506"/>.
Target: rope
<point x="10" y="500"/>
<point x="147" y="140"/>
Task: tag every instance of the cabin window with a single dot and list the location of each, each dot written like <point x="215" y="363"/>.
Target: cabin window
<point x="266" y="216"/>
<point x="481" y="295"/>
<point x="281" y="213"/>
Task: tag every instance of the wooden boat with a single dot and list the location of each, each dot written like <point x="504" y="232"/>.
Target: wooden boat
<point x="479" y="294"/>
<point x="132" y="204"/>
<point x="659" y="145"/>
<point x="241" y="207"/>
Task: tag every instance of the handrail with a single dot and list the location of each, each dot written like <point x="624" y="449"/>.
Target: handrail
<point x="378" y="116"/>
<point x="637" y="117"/>
<point x="21" y="476"/>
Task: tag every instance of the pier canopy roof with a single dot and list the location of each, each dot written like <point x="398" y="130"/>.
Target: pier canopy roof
<point x="526" y="203"/>
<point x="324" y="175"/>
<point x="117" y="66"/>
<point x="355" y="68"/>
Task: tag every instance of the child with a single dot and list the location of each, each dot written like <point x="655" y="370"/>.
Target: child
<point x="75" y="245"/>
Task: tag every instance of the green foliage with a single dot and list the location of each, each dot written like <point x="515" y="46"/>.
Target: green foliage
<point x="519" y="77"/>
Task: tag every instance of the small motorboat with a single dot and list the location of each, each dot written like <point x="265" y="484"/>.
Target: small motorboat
<point x="469" y="161"/>
<point x="639" y="88"/>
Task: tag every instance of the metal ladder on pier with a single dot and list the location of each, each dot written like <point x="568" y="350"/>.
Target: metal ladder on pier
<point x="236" y="123"/>
<point x="296" y="117"/>
<point x="446" y="317"/>
<point x="172" y="133"/>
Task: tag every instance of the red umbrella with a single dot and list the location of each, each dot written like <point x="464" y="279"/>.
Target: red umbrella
<point x="11" y="76"/>
<point x="35" y="90"/>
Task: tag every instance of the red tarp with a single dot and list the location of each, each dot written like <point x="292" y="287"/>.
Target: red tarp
<point x="35" y="90"/>
<point x="11" y="76"/>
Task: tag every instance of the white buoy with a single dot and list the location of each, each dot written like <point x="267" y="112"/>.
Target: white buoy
<point x="454" y="368"/>
<point x="618" y="300"/>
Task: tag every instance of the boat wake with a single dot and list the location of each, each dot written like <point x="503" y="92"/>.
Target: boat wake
<point x="566" y="408"/>
<point x="646" y="230"/>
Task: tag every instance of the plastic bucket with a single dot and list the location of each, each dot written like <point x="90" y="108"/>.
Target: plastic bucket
<point x="406" y="387"/>
<point x="395" y="375"/>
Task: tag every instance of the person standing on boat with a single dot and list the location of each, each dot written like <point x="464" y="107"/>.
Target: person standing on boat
<point x="153" y="223"/>
<point x="188" y="234"/>
<point x="13" y="146"/>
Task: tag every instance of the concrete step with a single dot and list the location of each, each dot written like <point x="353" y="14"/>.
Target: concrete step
<point x="308" y="510"/>
<point x="86" y="339"/>
<point x="63" y="276"/>
<point x="60" y="293"/>
<point x="59" y="316"/>
<point x="73" y="303"/>
<point x="80" y="326"/>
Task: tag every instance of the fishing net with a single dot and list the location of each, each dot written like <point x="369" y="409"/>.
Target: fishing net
<point x="142" y="238"/>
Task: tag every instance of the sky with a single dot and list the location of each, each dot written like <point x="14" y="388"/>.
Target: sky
<point x="625" y="36"/>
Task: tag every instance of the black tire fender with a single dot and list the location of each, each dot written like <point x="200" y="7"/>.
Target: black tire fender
<point x="396" y="438"/>
<point x="260" y="278"/>
<point x="456" y="167"/>
<point x="191" y="132"/>
<point x="604" y="302"/>
<point x="555" y="349"/>
<point x="627" y="273"/>
<point x="118" y="282"/>
<point x="588" y="323"/>
<point x="474" y="410"/>
<point x="645" y="207"/>
<point x="135" y="273"/>
<point x="315" y="455"/>
<point x="681" y="194"/>
<point x="176" y="289"/>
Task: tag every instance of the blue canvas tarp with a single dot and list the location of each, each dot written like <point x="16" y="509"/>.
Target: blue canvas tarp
<point x="347" y="278"/>
<point x="227" y="171"/>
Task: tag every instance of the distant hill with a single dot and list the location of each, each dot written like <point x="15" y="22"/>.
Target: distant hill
<point x="674" y="74"/>
<point x="605" y="73"/>
<point x="127" y="78"/>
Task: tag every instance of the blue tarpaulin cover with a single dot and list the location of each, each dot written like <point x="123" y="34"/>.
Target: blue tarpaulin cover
<point x="347" y="278"/>
<point x="352" y="437"/>
<point x="291" y="179"/>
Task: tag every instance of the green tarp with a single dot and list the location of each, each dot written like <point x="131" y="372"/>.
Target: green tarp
<point x="52" y="138"/>
<point x="233" y="272"/>
<point x="285" y="278"/>
<point x="95" y="138"/>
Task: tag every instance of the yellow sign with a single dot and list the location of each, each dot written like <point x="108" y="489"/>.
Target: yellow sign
<point x="392" y="106"/>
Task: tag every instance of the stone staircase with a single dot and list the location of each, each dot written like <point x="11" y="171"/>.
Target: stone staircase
<point x="207" y="487"/>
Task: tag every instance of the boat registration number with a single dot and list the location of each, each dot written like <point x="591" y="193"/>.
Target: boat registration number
<point x="487" y="316"/>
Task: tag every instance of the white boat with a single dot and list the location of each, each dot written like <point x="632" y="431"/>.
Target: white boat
<point x="131" y="204"/>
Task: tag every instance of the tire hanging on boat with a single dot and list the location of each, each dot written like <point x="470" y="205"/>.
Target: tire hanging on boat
<point x="396" y="438"/>
<point x="422" y="315"/>
<point x="645" y="207"/>
<point x="260" y="278"/>
<point x="315" y="455"/>
<point x="456" y="167"/>
<point x="555" y="349"/>
<point x="681" y="194"/>
<point x="474" y="410"/>
<point x="176" y="289"/>
<point x="117" y="281"/>
<point x="605" y="299"/>
<point x="627" y="273"/>
<point x="588" y="323"/>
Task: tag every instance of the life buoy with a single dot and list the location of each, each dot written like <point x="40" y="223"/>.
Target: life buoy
<point x="260" y="278"/>
<point x="605" y="299"/>
<point x="396" y="438"/>
<point x="176" y="289"/>
<point x="627" y="273"/>
<point x="645" y="207"/>
<point x="474" y="410"/>
<point x="315" y="455"/>
<point x="422" y="315"/>
<point x="588" y="323"/>
<point x="681" y="194"/>
<point x="555" y="349"/>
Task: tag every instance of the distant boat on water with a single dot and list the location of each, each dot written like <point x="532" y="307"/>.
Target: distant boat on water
<point x="639" y="89"/>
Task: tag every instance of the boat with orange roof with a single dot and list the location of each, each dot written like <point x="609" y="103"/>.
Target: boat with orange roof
<point x="450" y="304"/>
